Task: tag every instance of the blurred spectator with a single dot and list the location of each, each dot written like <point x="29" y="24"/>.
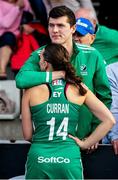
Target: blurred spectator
<point x="25" y="45"/>
<point x="33" y="35"/>
<point x="40" y="11"/>
<point x="10" y="17"/>
<point x="73" y="4"/>
<point x="38" y="30"/>
<point x="84" y="37"/>
<point x="85" y="32"/>
<point x="106" y="41"/>
<point x="112" y="137"/>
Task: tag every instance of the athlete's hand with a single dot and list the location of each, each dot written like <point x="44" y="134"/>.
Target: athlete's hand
<point x="92" y="148"/>
<point x="82" y="145"/>
<point x="115" y="146"/>
<point x="78" y="141"/>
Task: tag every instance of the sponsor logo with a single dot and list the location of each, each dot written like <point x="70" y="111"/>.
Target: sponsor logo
<point x="57" y="82"/>
<point x="59" y="160"/>
<point x="59" y="88"/>
<point x="81" y="23"/>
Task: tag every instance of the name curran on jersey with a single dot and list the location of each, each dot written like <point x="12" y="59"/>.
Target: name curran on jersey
<point x="58" y="108"/>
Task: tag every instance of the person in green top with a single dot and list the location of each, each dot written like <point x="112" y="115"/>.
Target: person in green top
<point x="106" y="42"/>
<point x="106" y="39"/>
<point x="85" y="32"/>
<point x="87" y="61"/>
<point x="53" y="110"/>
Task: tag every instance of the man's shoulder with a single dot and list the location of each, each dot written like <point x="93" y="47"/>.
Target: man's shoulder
<point x="91" y="53"/>
<point x="105" y="33"/>
<point x="105" y="28"/>
<point x="89" y="50"/>
<point x="85" y="48"/>
<point x="38" y="51"/>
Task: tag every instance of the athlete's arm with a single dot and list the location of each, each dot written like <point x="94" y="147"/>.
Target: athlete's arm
<point x="27" y="126"/>
<point x="102" y="113"/>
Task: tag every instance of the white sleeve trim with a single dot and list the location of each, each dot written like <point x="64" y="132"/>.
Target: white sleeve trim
<point x="47" y="76"/>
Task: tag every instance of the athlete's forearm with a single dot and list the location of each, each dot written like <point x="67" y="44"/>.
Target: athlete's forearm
<point x="95" y="137"/>
<point x="98" y="134"/>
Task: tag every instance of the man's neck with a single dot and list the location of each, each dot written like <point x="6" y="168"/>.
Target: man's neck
<point x="69" y="47"/>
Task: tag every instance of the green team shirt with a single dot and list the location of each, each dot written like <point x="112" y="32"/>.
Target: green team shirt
<point x="106" y="42"/>
<point x="53" y="155"/>
<point x="91" y="67"/>
<point x="55" y="118"/>
<point x="89" y="64"/>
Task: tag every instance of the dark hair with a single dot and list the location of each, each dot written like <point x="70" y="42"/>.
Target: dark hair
<point x="58" y="57"/>
<point x="27" y="17"/>
<point x="60" y="11"/>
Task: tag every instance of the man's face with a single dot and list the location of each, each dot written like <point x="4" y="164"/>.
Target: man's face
<point x="60" y="31"/>
<point x="86" y="39"/>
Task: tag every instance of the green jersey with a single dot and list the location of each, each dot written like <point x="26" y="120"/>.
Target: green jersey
<point x="106" y="42"/>
<point x="53" y="155"/>
<point x="89" y="64"/>
<point x="57" y="117"/>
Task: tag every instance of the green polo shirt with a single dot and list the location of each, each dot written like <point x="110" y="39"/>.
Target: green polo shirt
<point x="106" y="42"/>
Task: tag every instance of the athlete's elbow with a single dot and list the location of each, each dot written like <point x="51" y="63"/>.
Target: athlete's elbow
<point x="27" y="137"/>
<point x="112" y="122"/>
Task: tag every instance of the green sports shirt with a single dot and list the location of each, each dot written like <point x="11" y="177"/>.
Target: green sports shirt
<point x="56" y="118"/>
<point x="106" y="42"/>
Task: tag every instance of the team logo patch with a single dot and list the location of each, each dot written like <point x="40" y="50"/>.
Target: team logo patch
<point x="83" y="69"/>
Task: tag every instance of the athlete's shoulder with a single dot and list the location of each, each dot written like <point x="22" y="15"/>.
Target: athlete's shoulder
<point x="38" y="88"/>
<point x="74" y="96"/>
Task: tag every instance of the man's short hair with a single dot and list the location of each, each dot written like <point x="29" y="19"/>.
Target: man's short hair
<point x="60" y="11"/>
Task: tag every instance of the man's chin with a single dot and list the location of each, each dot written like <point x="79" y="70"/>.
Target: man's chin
<point x="56" y="41"/>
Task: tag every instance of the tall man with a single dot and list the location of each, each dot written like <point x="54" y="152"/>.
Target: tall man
<point x="88" y="63"/>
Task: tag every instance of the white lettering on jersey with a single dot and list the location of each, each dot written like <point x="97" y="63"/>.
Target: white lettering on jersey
<point x="56" y="94"/>
<point x="58" y="108"/>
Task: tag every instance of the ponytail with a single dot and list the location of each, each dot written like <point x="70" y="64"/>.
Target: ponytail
<point x="59" y="58"/>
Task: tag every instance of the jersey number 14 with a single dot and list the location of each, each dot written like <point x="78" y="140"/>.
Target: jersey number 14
<point x="62" y="130"/>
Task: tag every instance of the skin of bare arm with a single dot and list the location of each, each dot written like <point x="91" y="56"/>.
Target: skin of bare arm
<point x="31" y="97"/>
<point x="101" y="112"/>
<point x="27" y="127"/>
